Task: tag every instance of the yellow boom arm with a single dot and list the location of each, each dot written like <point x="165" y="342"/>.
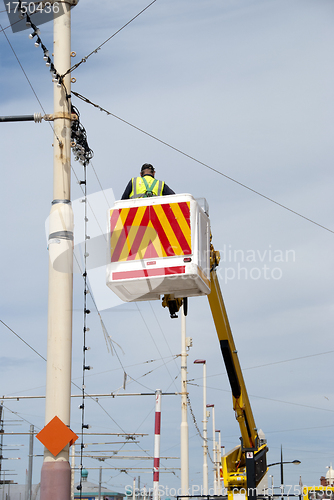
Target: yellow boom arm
<point x="241" y="403"/>
<point x="245" y="465"/>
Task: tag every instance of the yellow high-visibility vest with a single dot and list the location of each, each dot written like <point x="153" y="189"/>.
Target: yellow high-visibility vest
<point x="146" y="186"/>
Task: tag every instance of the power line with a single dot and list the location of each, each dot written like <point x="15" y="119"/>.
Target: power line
<point x="270" y="399"/>
<point x="22" y="340"/>
<point x="84" y="59"/>
<point x="79" y="96"/>
<point x="149" y="331"/>
<point x="25" y="74"/>
<point x="270" y="364"/>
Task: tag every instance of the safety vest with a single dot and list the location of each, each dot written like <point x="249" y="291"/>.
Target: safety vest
<point x="147" y="186"/>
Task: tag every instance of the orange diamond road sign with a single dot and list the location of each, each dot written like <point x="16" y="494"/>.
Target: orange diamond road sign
<point x="56" y="435"/>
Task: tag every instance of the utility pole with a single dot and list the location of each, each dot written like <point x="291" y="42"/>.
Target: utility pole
<point x="214" y="448"/>
<point x="184" y="421"/>
<point x="30" y="463"/>
<point x="56" y="471"/>
<point x="205" y="430"/>
<point x="134" y="489"/>
<point x="156" y="459"/>
<point x="100" y="482"/>
<point x="219" y="463"/>
<point x="72" y="470"/>
<point x="1" y="439"/>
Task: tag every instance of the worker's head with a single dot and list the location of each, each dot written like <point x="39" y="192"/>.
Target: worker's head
<point x="147" y="169"/>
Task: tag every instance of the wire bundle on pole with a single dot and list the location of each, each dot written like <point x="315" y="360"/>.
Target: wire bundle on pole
<point x="79" y="144"/>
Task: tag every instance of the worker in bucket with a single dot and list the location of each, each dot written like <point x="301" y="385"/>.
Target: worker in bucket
<point x="146" y="185"/>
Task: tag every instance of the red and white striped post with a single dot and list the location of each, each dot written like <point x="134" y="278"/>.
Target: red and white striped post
<point x="156" y="455"/>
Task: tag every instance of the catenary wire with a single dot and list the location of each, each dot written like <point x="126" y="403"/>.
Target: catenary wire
<point x="19" y="415"/>
<point x="154" y="342"/>
<point x="164" y="336"/>
<point x="79" y="96"/>
<point x="190" y="383"/>
<point x="84" y="59"/>
<point x="32" y="88"/>
<point x="36" y="352"/>
<point x="22" y="340"/>
<point x="198" y="385"/>
<point x="267" y="399"/>
<point x="269" y="364"/>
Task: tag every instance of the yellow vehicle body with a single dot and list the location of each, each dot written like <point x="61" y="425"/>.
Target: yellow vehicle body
<point x="318" y="492"/>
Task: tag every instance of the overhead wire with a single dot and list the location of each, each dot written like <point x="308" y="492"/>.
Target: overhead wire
<point x="19" y="415"/>
<point x="181" y="152"/>
<point x="269" y="364"/>
<point x="164" y="336"/>
<point x="84" y="59"/>
<point x="190" y="383"/>
<point x="267" y="399"/>
<point x="29" y="82"/>
<point x="85" y="99"/>
<point x="154" y="342"/>
<point x="135" y="364"/>
<point x="78" y="387"/>
<point x="22" y="340"/>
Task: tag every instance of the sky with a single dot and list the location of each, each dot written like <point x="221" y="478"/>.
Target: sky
<point x="243" y="90"/>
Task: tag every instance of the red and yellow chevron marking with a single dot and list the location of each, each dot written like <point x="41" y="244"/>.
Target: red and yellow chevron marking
<point x="150" y="232"/>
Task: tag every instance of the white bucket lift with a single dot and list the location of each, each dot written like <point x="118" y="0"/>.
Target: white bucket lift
<point x="159" y="245"/>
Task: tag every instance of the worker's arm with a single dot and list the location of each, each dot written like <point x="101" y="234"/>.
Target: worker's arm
<point x="167" y="190"/>
<point x="127" y="192"/>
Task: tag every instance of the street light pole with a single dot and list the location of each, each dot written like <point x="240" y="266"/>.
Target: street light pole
<point x="184" y="421"/>
<point x="282" y="479"/>
<point x="214" y="449"/>
<point x="205" y="430"/>
<point x="296" y="462"/>
<point x="219" y="463"/>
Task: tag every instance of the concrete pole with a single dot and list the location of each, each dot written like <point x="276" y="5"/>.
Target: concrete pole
<point x="56" y="471"/>
<point x="72" y="470"/>
<point x="219" y="463"/>
<point x="134" y="489"/>
<point x="156" y="455"/>
<point x="100" y="482"/>
<point x="30" y="462"/>
<point x="1" y="437"/>
<point x="214" y="449"/>
<point x="205" y="430"/>
<point x="205" y="436"/>
<point x="184" y="421"/>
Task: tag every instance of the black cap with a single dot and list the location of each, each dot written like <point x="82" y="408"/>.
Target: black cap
<point x="147" y="166"/>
